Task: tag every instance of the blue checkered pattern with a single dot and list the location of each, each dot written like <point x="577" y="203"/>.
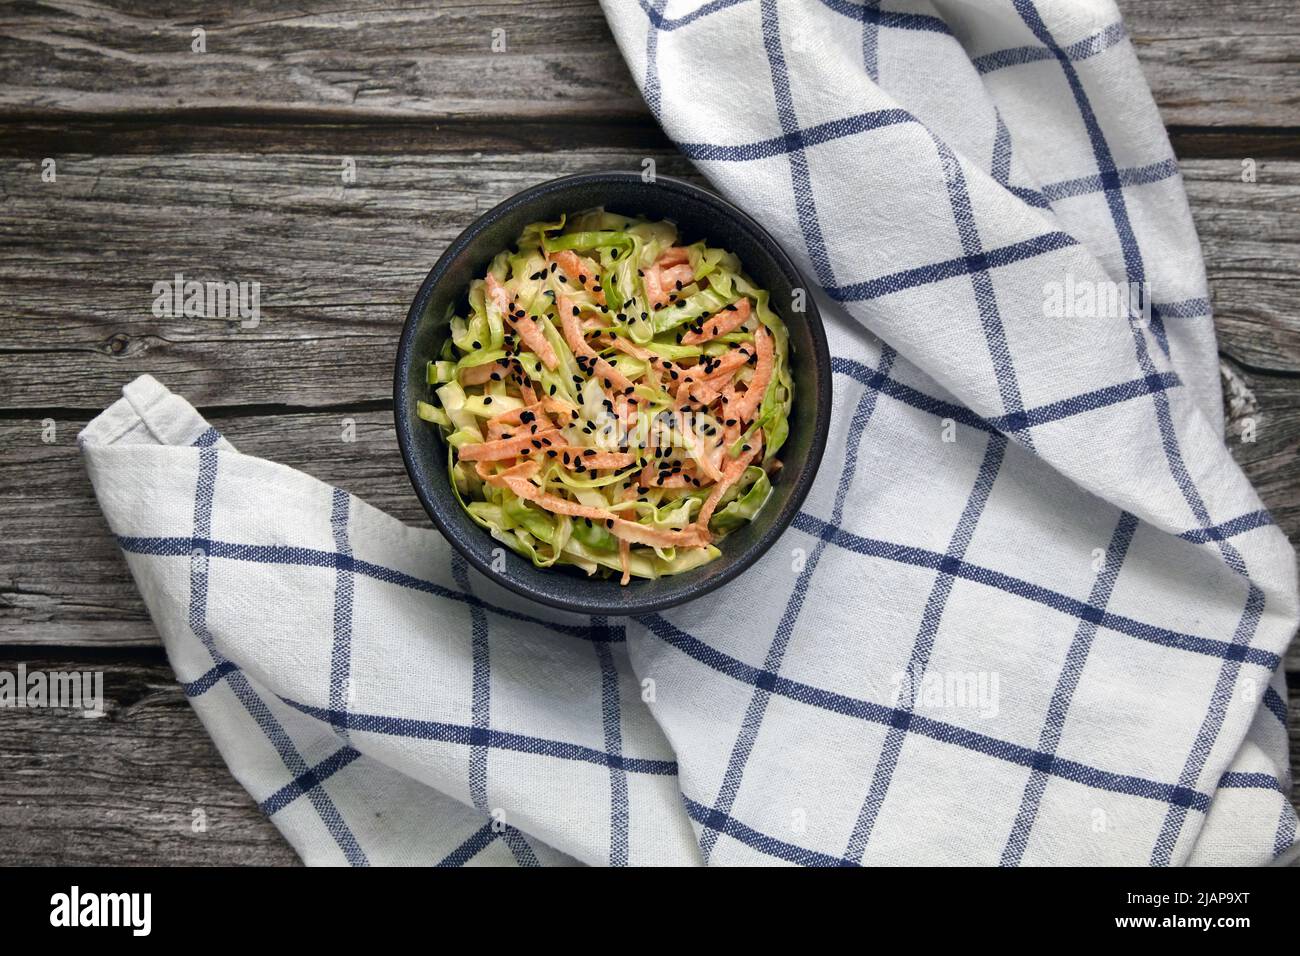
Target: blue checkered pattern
<point x="1030" y="613"/>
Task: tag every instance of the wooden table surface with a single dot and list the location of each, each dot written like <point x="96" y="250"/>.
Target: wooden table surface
<point x="226" y="164"/>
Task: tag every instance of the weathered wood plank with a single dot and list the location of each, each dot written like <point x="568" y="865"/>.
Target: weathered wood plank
<point x="63" y="580"/>
<point x="337" y="266"/>
<point x="1250" y="236"/>
<point x="328" y="58"/>
<point x="1270" y="460"/>
<point x="123" y="788"/>
<point x="333" y="60"/>
<point x="1208" y="66"/>
<point x="185" y="132"/>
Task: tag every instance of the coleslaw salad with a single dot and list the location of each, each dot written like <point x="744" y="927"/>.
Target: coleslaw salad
<point x="612" y="400"/>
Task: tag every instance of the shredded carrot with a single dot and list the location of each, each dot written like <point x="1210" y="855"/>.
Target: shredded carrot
<point x="649" y="478"/>
<point x="572" y="456"/>
<point x="720" y="323"/>
<point x="573" y="336"/>
<point x="582" y="271"/>
<point x="533" y="411"/>
<point x="498" y="294"/>
<point x="481" y="374"/>
<point x="621" y="528"/>
<point x="672" y="275"/>
<point x="522" y="323"/>
<point x="735" y="468"/>
<point x="654" y="288"/>
<point x="508" y="447"/>
<point x="748" y="403"/>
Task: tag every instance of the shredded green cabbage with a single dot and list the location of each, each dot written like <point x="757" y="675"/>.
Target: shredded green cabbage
<point x="612" y="400"/>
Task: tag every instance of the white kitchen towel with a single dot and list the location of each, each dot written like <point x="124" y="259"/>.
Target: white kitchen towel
<point x="1031" y="613"/>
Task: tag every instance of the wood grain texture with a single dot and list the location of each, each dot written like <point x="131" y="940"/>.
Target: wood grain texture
<point x="123" y="788"/>
<point x="1272" y="460"/>
<point x="62" y="578"/>
<point x="184" y="132"/>
<point x="1216" y="64"/>
<point x="326" y="58"/>
<point x="338" y="265"/>
<point x="335" y="59"/>
<point x="1250" y="237"/>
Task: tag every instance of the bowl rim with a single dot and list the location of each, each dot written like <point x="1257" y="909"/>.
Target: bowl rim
<point x="691" y="590"/>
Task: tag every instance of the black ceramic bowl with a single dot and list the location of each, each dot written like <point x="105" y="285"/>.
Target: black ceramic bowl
<point x="699" y="215"/>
